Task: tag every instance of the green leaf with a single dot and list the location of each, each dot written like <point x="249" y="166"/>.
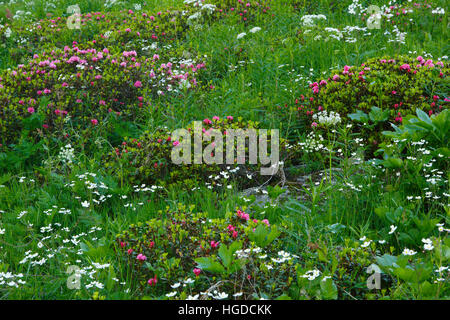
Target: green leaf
<point x="264" y="235"/>
<point x="227" y="253"/>
<point x="359" y="116"/>
<point x="328" y="289"/>
<point x="378" y="115"/>
<point x="209" y="264"/>
<point x="386" y="260"/>
<point x="423" y="116"/>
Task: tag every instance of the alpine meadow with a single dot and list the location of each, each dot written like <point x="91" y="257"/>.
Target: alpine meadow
<point x="224" y="150"/>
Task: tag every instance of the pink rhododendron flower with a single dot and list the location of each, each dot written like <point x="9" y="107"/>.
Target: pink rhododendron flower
<point x="197" y="271"/>
<point x="141" y="257"/>
<point x="152" y="281"/>
<point x="214" y="244"/>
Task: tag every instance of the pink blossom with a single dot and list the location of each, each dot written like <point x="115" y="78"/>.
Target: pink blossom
<point x="141" y="257"/>
<point x="197" y="271"/>
<point x="30" y="110"/>
<point x="153" y="281"/>
<point x="214" y="244"/>
<point x="94" y="122"/>
<point x="138" y="84"/>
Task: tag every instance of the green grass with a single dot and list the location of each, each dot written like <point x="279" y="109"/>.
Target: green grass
<point x="275" y="67"/>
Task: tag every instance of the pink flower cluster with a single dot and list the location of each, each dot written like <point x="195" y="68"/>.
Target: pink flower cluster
<point x="243" y="215"/>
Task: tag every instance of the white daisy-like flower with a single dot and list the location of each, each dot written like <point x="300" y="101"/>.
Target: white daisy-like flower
<point x="241" y="35"/>
<point x="366" y="244"/>
<point x="428" y="244"/>
<point x="393" y="228"/>
<point x="176" y="285"/>
<point x="221" y="296"/>
<point x="408" y="252"/>
<point x="255" y="29"/>
<point x="171" y="294"/>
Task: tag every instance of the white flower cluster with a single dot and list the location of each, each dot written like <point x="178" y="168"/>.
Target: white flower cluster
<point x="66" y="154"/>
<point x="11" y="280"/>
<point x="209" y="8"/>
<point x="311" y="274"/>
<point x="327" y="119"/>
<point x="354" y="6"/>
<point x="438" y="10"/>
<point x="408" y="252"/>
<point x="240" y="254"/>
<point x="8" y="32"/>
<point x="312" y="143"/>
<point x="283" y="257"/>
<point x="308" y="20"/>
<point x="428" y="244"/>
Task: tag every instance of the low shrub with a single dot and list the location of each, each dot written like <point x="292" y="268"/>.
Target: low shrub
<point x="183" y="254"/>
<point x="147" y="159"/>
<point x="84" y="85"/>
<point x="395" y="86"/>
<point x="133" y="29"/>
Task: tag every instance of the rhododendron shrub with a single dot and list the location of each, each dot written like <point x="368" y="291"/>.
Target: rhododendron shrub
<point x="183" y="245"/>
<point x="396" y="85"/>
<point x="84" y="84"/>
<point x="147" y="159"/>
<point x="129" y="28"/>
